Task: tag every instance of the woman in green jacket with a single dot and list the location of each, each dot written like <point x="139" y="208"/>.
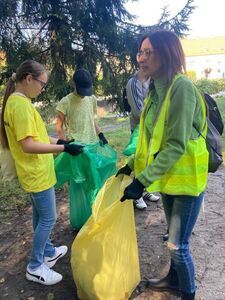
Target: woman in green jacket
<point x="171" y="157"/>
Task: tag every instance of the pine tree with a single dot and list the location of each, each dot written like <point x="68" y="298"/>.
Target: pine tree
<point x="67" y="34"/>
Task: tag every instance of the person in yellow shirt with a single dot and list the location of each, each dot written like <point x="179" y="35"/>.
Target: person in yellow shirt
<point x="76" y="111"/>
<point x="23" y="132"/>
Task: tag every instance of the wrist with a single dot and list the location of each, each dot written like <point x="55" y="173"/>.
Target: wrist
<point x="59" y="148"/>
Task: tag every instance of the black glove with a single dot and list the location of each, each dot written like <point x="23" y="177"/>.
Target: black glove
<point x="73" y="149"/>
<point x="124" y="170"/>
<point x="64" y="142"/>
<point x="102" y="138"/>
<point x="133" y="190"/>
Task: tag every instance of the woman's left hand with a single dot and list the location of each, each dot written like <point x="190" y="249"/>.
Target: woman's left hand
<point x="133" y="191"/>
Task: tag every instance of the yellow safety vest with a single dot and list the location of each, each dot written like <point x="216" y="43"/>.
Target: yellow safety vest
<point x="188" y="176"/>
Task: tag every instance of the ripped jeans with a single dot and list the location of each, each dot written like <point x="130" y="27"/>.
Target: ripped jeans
<point x="181" y="214"/>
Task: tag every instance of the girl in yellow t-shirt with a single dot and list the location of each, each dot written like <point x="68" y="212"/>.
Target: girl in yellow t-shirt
<point x="23" y="132"/>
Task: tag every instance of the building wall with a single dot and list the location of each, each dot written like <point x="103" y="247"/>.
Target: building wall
<point x="207" y="66"/>
<point x="205" y="56"/>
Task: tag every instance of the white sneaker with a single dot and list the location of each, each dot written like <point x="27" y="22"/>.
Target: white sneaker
<point x="43" y="275"/>
<point x="59" y="252"/>
<point x="150" y="197"/>
<point x="140" y="203"/>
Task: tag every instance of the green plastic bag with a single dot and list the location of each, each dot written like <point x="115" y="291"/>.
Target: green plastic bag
<point x="131" y="146"/>
<point x="86" y="174"/>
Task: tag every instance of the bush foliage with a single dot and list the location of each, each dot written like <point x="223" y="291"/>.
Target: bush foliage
<point x="211" y="86"/>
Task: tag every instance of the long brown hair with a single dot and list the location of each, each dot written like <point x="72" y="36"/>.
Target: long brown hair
<point x="169" y="51"/>
<point x="28" y="67"/>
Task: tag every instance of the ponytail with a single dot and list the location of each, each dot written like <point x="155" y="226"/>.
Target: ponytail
<point x="9" y="90"/>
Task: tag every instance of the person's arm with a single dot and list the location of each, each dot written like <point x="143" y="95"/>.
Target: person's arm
<point x="94" y="102"/>
<point x="100" y="134"/>
<point x="59" y="125"/>
<point x="135" y="96"/>
<point x="97" y="128"/>
<point x="30" y="146"/>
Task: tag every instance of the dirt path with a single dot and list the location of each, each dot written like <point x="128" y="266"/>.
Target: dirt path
<point x="208" y="248"/>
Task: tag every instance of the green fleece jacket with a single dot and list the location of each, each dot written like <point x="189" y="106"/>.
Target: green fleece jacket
<point x="185" y="109"/>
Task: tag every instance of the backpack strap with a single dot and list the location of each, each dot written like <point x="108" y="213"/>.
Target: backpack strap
<point x="205" y="110"/>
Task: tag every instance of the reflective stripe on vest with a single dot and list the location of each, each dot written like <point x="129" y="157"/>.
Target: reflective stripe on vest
<point x="188" y="176"/>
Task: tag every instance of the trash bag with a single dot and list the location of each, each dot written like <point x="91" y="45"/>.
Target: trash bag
<point x="131" y="146"/>
<point x="86" y="173"/>
<point x="104" y="254"/>
<point x="7" y="164"/>
<point x="80" y="203"/>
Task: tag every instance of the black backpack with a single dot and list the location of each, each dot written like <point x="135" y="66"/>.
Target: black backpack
<point x="213" y="113"/>
<point x="214" y="131"/>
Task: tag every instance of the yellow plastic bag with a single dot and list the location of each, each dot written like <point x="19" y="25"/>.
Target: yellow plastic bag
<point x="104" y="256"/>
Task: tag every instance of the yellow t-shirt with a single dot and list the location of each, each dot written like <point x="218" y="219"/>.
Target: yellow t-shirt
<point x="79" y="117"/>
<point x="35" y="171"/>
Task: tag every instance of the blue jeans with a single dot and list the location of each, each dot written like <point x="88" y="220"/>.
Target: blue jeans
<point x="44" y="218"/>
<point x="181" y="214"/>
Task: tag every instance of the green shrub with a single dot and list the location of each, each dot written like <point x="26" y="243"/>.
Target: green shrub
<point x="211" y="86"/>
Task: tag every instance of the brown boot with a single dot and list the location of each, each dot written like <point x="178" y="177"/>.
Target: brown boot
<point x="168" y="283"/>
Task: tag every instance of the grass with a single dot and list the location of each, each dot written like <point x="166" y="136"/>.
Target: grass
<point x="118" y="139"/>
<point x="112" y="120"/>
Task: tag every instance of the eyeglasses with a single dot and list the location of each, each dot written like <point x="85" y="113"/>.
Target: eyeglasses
<point x="147" y="53"/>
<point x="42" y="83"/>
